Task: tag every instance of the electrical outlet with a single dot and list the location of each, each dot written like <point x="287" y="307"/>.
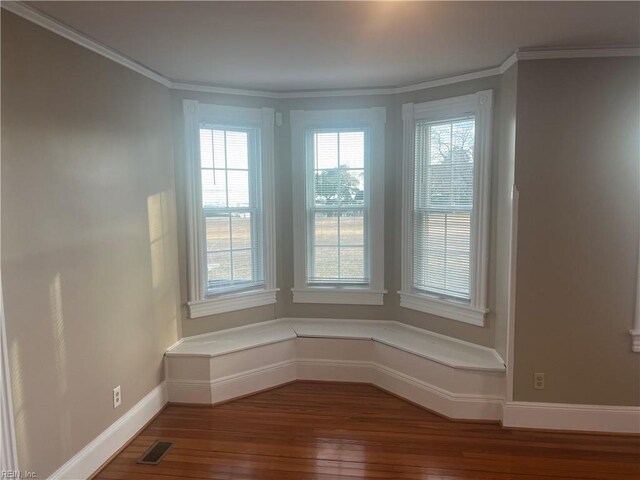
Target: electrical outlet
<point x="538" y="381"/>
<point x="117" y="397"/>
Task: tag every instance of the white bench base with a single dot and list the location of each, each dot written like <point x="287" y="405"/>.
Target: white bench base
<point x="450" y="377"/>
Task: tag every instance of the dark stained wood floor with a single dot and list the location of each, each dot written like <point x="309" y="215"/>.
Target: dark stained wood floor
<point x="343" y="431"/>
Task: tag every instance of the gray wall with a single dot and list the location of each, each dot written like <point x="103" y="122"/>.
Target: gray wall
<point x="89" y="265"/>
<point x="391" y="309"/>
<point x="577" y="169"/>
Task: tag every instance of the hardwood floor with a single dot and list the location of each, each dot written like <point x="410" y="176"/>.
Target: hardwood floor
<point x="343" y="431"/>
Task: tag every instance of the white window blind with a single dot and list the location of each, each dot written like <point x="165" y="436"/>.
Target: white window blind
<point x="443" y="207"/>
<point x="337" y="207"/>
<point x="231" y="208"/>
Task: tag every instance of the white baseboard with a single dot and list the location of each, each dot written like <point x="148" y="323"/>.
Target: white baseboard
<point x="562" y="416"/>
<point x="95" y="454"/>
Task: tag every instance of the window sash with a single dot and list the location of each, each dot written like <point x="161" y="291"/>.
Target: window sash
<point x="339" y="245"/>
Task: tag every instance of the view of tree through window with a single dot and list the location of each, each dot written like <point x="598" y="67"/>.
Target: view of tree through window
<point x="338" y="210"/>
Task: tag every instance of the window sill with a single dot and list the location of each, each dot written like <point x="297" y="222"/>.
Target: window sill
<point x="231" y="302"/>
<point x="443" y="308"/>
<point x="338" y="296"/>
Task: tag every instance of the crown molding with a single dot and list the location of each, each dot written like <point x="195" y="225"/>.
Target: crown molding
<point x="198" y="87"/>
<point x="558" y="53"/>
<point x="33" y="15"/>
<point x="509" y="62"/>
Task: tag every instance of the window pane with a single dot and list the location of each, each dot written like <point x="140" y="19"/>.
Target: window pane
<point x="217" y="233"/>
<point x="214" y="188"/>
<point x="219" y="157"/>
<point x="463" y="143"/>
<point x="238" y="188"/>
<point x="327" y="187"/>
<point x="237" y="150"/>
<point x="242" y="270"/>
<point x="325" y="228"/>
<point x="206" y="148"/>
<point x="212" y="151"/>
<point x="443" y="201"/>
<point x="351" y="187"/>
<point x="219" y="268"/>
<point x="352" y="263"/>
<point x="352" y="228"/>
<point x="325" y="264"/>
<point x="241" y="230"/>
<point x="352" y="149"/>
<point x="325" y="146"/>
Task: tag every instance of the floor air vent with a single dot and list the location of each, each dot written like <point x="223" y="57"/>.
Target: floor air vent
<point x="155" y="453"/>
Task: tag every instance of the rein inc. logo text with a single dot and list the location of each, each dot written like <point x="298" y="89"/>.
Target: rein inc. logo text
<point x="17" y="474"/>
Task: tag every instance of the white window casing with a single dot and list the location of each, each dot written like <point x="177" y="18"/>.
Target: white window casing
<point x="461" y="295"/>
<point x="362" y="132"/>
<point x="253" y="129"/>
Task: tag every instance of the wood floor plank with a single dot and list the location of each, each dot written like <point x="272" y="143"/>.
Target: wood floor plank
<point x="323" y="431"/>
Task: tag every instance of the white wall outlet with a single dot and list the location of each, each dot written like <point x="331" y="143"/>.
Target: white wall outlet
<point x="538" y="381"/>
<point x="117" y="397"/>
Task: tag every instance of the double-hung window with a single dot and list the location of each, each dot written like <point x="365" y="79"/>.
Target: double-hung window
<point x="231" y="230"/>
<point x="445" y="235"/>
<point x="338" y="158"/>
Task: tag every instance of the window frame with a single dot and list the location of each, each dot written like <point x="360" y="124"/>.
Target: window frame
<point x="372" y="120"/>
<point x="200" y="303"/>
<point x="479" y="105"/>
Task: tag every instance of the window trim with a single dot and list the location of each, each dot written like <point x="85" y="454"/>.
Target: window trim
<point x="374" y="120"/>
<point x="479" y="104"/>
<point x="195" y="113"/>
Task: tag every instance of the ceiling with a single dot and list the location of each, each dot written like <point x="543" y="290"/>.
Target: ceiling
<point x="289" y="46"/>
